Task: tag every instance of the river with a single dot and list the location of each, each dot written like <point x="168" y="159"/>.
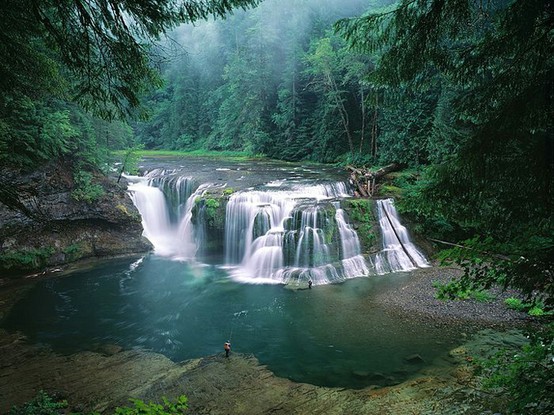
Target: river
<point x="334" y="334"/>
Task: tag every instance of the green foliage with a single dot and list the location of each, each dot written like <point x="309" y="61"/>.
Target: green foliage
<point x="228" y="191"/>
<point x="533" y="308"/>
<point x="44" y="404"/>
<point x="525" y="376"/>
<point x="73" y="251"/>
<point x="105" y="46"/>
<point x="360" y="212"/>
<point x="130" y="161"/>
<point x="212" y="215"/>
<point x="265" y="88"/>
<point x="483" y="267"/>
<point x="167" y="407"/>
<point x="41" y="404"/>
<point x="536" y="311"/>
<point x="424" y="213"/>
<point x="234" y="155"/>
<point x="26" y="259"/>
<point x="456" y="290"/>
<point x="515" y="304"/>
<point x="480" y="74"/>
<point x="84" y="189"/>
<point x="209" y="212"/>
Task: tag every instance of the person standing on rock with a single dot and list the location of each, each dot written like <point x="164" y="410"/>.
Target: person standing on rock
<point x="310" y="284"/>
<point x="227" y="347"/>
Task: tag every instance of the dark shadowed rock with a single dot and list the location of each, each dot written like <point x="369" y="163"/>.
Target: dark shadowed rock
<point x="42" y="225"/>
<point x="414" y="359"/>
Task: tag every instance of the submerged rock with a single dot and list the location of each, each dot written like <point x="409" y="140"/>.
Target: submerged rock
<point x="414" y="359"/>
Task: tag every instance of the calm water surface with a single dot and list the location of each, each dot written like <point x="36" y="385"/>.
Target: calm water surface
<point x="332" y="335"/>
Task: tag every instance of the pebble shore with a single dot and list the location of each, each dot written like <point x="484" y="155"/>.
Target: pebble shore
<point x="417" y="298"/>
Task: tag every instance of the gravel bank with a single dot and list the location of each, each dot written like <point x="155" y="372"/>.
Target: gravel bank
<point x="417" y="298"/>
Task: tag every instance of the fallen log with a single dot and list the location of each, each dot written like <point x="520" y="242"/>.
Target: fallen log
<point x="364" y="180"/>
<point x="383" y="170"/>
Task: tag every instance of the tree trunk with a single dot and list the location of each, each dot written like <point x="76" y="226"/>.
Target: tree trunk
<point x="365" y="181"/>
<point x="374" y="128"/>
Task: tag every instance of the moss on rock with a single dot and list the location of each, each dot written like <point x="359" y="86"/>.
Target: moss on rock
<point x="362" y="217"/>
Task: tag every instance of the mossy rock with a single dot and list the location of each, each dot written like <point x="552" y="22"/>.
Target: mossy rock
<point x="361" y="214"/>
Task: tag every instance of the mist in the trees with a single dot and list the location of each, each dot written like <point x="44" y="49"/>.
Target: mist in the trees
<point x="265" y="81"/>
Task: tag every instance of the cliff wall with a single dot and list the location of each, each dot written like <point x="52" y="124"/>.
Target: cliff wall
<point x="43" y="225"/>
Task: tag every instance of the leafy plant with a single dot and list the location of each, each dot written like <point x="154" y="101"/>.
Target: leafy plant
<point x="42" y="404"/>
<point x="534" y="308"/>
<point x="536" y="311"/>
<point x="515" y="304"/>
<point x="26" y="259"/>
<point x="524" y="376"/>
<point x="73" y="251"/>
<point x="456" y="290"/>
<point x="130" y="160"/>
<point x="165" y="408"/>
<point x="85" y="190"/>
<point x="228" y="191"/>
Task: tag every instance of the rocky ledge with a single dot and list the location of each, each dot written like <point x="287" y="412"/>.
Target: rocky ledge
<point x="43" y="225"/>
<point x="104" y="379"/>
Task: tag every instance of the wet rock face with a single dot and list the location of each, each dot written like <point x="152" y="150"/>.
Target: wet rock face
<point x="42" y="225"/>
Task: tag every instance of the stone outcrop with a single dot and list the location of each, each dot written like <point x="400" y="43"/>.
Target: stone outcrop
<point x="42" y="225"/>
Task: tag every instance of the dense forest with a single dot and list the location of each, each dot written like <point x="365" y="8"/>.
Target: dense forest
<point x="459" y="93"/>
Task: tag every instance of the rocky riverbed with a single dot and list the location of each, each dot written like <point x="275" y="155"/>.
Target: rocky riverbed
<point x="107" y="377"/>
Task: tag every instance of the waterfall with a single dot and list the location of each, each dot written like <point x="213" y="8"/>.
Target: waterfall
<point x="286" y="232"/>
<point x="399" y="253"/>
<point x="165" y="203"/>
<point x="353" y="261"/>
<point x="301" y="234"/>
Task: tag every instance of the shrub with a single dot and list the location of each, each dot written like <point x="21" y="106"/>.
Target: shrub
<point x="26" y="259"/>
<point x="515" y="304"/>
<point x="534" y="308"/>
<point x="456" y="290"/>
<point x="525" y="376"/>
<point x="85" y="190"/>
<point x="42" y="404"/>
<point x="166" y="408"/>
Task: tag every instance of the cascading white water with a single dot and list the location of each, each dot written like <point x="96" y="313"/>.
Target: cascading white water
<point x="166" y="225"/>
<point x="280" y="236"/>
<point x="273" y="235"/>
<point x="312" y="249"/>
<point x="399" y="253"/>
<point x="353" y="261"/>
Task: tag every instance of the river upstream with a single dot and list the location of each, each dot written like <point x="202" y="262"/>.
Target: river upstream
<point x="340" y="333"/>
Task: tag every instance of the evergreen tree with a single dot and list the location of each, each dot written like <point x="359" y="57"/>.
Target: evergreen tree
<point x="494" y="114"/>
